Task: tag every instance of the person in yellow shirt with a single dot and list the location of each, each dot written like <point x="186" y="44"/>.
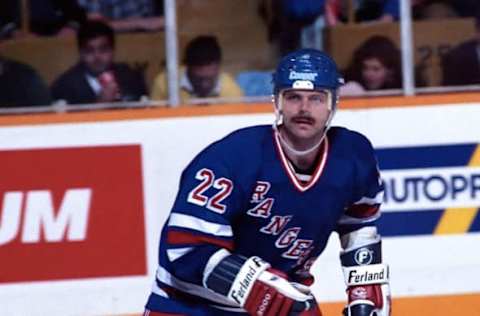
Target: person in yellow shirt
<point x="202" y="76"/>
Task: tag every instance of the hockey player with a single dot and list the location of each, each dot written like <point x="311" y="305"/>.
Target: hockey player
<point x="255" y="209"/>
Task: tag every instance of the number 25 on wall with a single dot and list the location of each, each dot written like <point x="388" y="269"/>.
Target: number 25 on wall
<point x="207" y="178"/>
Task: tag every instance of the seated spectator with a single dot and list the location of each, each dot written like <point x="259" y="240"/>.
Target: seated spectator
<point x="47" y="18"/>
<point x="293" y="23"/>
<point x="365" y="10"/>
<point x="465" y="8"/>
<point x="201" y="77"/>
<point x="461" y="66"/>
<point x="21" y="86"/>
<point x="425" y="9"/>
<point x="433" y="10"/>
<point x="376" y="64"/>
<point x="96" y="78"/>
<point x="299" y="23"/>
<point x="378" y="10"/>
<point x="128" y="15"/>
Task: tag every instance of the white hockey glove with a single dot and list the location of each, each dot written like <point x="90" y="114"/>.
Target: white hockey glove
<point x="258" y="289"/>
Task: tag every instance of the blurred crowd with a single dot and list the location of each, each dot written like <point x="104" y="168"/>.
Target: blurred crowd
<point x="97" y="77"/>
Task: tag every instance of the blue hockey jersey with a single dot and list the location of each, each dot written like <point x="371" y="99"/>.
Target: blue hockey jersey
<point x="243" y="195"/>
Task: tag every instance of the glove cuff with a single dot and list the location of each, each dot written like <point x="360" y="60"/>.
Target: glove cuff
<point x="234" y="277"/>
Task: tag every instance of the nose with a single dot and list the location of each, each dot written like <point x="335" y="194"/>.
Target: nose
<point x="96" y="54"/>
<point x="304" y="104"/>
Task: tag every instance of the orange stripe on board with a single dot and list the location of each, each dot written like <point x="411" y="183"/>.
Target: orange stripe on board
<point x="445" y="305"/>
<point x="240" y="108"/>
<point x="133" y="114"/>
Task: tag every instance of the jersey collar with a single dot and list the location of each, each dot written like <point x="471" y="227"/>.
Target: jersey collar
<point x="296" y="181"/>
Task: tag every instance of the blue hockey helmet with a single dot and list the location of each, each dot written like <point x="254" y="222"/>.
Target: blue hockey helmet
<point x="307" y="69"/>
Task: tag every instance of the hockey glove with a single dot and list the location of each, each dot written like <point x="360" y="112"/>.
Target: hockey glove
<point x="368" y="300"/>
<point x="259" y="290"/>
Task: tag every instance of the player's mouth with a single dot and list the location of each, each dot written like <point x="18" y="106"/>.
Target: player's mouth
<point x="303" y="120"/>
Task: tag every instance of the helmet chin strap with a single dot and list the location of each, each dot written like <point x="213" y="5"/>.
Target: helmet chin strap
<point x="279" y="119"/>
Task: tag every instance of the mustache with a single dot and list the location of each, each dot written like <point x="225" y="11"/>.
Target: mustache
<point x="303" y="118"/>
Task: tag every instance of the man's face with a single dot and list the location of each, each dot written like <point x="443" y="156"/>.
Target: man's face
<point x="203" y="78"/>
<point x="97" y="54"/>
<point x="374" y="73"/>
<point x="305" y="113"/>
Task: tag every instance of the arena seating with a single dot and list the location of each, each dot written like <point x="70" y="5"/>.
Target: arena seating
<point x="243" y="37"/>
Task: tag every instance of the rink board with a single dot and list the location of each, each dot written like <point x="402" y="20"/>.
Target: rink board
<point x="122" y="171"/>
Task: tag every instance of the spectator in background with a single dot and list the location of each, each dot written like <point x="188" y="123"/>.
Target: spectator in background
<point x="376" y="65"/>
<point x="425" y="9"/>
<point x="96" y="78"/>
<point x="299" y="23"/>
<point x="291" y="23"/>
<point x="465" y="8"/>
<point x="202" y="76"/>
<point x="365" y="11"/>
<point x="20" y="85"/>
<point x="433" y="9"/>
<point x="461" y="66"/>
<point x="127" y="15"/>
<point x="47" y="17"/>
